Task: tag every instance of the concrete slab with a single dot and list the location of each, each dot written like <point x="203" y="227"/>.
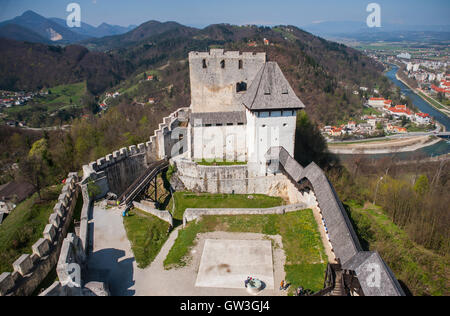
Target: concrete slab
<point x="228" y="263"/>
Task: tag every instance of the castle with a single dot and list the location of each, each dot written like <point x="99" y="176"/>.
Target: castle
<point x="242" y="110"/>
<point x="241" y="105"/>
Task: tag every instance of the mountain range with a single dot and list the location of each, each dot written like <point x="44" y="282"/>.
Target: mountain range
<point x="33" y="27"/>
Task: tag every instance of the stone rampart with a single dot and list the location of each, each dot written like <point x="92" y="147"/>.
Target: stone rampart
<point x="117" y="171"/>
<point x="31" y="269"/>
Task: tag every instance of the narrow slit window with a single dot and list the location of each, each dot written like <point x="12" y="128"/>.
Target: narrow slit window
<point x="222" y="64"/>
<point x="241" y="64"/>
<point x="204" y="64"/>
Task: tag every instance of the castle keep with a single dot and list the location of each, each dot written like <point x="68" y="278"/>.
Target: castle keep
<point x="241" y="106"/>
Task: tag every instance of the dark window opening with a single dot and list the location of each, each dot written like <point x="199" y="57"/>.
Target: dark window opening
<point x="284" y="90"/>
<point x="204" y="63"/>
<point x="230" y="124"/>
<point x="222" y="64"/>
<point x="240" y="64"/>
<point x="241" y="86"/>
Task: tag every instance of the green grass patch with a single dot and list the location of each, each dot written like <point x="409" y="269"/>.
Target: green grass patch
<point x="306" y="260"/>
<point x="184" y="200"/>
<point x="220" y="163"/>
<point x="421" y="270"/>
<point x="370" y="111"/>
<point x="24" y="226"/>
<point x="147" y="235"/>
<point x="66" y="94"/>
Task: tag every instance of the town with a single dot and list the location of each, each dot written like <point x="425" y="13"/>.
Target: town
<point x="386" y="119"/>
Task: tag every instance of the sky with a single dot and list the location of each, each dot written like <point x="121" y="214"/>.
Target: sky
<point x="200" y="13"/>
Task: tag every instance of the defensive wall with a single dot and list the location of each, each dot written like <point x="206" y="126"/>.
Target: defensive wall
<point x="29" y="270"/>
<point x="375" y="277"/>
<point x="110" y="174"/>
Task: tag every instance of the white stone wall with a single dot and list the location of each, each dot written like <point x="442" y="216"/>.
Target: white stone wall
<point x="235" y="179"/>
<point x="227" y="143"/>
<point x="275" y="130"/>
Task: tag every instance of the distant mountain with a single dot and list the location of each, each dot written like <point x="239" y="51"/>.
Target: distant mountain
<point x="46" y="28"/>
<point x="18" y="33"/>
<point x="91" y="31"/>
<point x="31" y="66"/>
<point x="138" y="35"/>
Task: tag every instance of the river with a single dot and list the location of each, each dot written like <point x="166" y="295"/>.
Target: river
<point x="441" y="148"/>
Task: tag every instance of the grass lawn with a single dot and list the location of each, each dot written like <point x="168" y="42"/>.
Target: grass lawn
<point x="306" y="260"/>
<point x="184" y="200"/>
<point x="24" y="226"/>
<point x="147" y="235"/>
<point x="423" y="271"/>
<point x="221" y="163"/>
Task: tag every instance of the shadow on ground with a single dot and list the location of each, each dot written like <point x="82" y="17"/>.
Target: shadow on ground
<point x="118" y="274"/>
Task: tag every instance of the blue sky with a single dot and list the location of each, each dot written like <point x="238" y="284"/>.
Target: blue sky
<point x="201" y="12"/>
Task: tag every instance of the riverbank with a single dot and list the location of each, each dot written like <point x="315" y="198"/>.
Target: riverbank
<point x="423" y="97"/>
<point x="386" y="146"/>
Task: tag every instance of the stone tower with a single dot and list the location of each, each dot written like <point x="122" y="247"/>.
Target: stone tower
<point x="241" y="106"/>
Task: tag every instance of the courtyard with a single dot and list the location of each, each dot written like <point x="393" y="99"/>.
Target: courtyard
<point x="210" y="257"/>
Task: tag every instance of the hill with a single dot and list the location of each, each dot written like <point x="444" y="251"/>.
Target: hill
<point x="46" y="28"/>
<point x="323" y="74"/>
<point x="19" y="33"/>
<point x="31" y="66"/>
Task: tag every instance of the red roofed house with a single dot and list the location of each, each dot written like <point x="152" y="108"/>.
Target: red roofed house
<point x="377" y="102"/>
<point x="423" y="118"/>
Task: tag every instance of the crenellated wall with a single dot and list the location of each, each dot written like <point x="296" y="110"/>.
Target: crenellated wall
<point x="31" y="269"/>
<point x="117" y="171"/>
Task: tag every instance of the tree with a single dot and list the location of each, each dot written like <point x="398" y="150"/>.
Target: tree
<point x="33" y="171"/>
<point x="422" y="185"/>
<point x="310" y="145"/>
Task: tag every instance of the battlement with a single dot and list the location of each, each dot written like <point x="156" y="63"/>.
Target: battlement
<point x="29" y="270"/>
<point x="220" y="53"/>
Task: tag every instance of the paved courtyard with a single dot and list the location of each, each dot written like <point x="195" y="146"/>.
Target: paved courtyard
<point x="111" y="260"/>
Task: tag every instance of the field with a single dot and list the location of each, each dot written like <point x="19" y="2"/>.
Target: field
<point x="59" y="106"/>
<point x="24" y="226"/>
<point x="305" y="256"/>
